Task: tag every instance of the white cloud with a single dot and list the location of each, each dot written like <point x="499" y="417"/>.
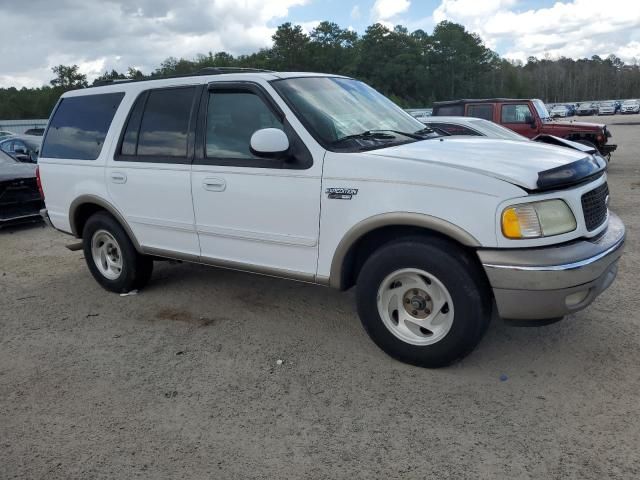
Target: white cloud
<point x="307" y="27"/>
<point x="575" y="28"/>
<point x="355" y="12"/>
<point x="387" y="9"/>
<point x="99" y="35"/>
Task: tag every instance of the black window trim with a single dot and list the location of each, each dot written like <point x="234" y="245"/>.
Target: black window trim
<point x="299" y="157"/>
<point x="191" y="132"/>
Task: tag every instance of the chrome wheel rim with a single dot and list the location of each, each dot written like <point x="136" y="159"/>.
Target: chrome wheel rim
<point x="106" y="254"/>
<point x="415" y="306"/>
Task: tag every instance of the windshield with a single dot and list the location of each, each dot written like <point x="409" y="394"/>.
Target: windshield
<point x="606" y="104"/>
<point x="335" y="110"/>
<point x="541" y="109"/>
<point x="630" y="102"/>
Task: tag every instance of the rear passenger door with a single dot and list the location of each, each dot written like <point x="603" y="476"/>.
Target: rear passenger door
<point x="149" y="177"/>
<point x="252" y="212"/>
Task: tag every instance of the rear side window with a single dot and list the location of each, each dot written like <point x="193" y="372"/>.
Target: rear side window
<point x="158" y="127"/>
<point x="79" y="126"/>
<point x="450" y="111"/>
<point x="484" y="110"/>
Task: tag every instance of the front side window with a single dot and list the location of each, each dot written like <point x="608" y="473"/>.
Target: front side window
<point x="481" y="111"/>
<point x="516" y="113"/>
<point x="232" y="118"/>
<point x="347" y="114"/>
<point x="79" y="126"/>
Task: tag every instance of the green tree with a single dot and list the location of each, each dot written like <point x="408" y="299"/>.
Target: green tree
<point x="68" y="77"/>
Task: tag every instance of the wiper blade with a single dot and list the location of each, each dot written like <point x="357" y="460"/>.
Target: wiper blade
<point x="385" y="134"/>
<point x="368" y="135"/>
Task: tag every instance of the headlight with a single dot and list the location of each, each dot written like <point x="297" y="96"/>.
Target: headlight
<point x="537" y="219"/>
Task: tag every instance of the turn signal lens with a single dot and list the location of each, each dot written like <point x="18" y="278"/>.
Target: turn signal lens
<point x="521" y="221"/>
<point x="537" y="219"/>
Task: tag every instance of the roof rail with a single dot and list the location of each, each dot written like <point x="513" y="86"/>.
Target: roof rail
<point x="202" y="71"/>
<point x="221" y="70"/>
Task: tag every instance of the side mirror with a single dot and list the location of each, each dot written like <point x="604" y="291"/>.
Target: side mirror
<point x="20" y="151"/>
<point x="531" y="121"/>
<point x="22" y="157"/>
<point x="269" y="142"/>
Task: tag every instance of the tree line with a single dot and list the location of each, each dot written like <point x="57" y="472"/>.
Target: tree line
<point x="415" y="69"/>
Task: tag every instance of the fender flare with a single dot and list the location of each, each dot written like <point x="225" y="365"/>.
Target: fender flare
<point x="375" y="222"/>
<point x="95" y="200"/>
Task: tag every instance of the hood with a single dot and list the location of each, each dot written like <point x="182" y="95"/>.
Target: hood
<point x="16" y="170"/>
<point x="564" y="125"/>
<point x="519" y="163"/>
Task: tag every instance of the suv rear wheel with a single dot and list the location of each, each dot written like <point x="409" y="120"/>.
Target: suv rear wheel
<point x="111" y="256"/>
<point x="423" y="301"/>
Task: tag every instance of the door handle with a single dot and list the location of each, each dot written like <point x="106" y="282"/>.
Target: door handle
<point x="214" y="184"/>
<point x="118" y="177"/>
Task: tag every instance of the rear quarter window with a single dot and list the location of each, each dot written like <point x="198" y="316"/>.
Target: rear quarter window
<point x="79" y="126"/>
<point x="484" y="110"/>
<point x="449" y="111"/>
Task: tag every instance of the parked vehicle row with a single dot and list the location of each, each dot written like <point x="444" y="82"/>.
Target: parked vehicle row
<point x="322" y="179"/>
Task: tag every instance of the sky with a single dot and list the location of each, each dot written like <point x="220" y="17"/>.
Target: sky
<point x="100" y="35"/>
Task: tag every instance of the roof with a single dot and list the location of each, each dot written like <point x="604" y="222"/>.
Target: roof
<point x="481" y="100"/>
<point x="203" y="77"/>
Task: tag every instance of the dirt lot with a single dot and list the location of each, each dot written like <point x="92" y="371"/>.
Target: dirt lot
<point x="182" y="380"/>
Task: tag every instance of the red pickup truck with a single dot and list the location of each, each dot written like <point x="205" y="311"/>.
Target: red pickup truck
<point x="529" y="118"/>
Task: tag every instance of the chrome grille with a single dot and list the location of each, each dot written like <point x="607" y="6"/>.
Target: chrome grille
<point x="594" y="206"/>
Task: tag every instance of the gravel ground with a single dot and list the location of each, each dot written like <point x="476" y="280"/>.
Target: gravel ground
<point x="183" y="380"/>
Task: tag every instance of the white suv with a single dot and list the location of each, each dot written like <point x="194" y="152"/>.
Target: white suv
<point x="322" y="179"/>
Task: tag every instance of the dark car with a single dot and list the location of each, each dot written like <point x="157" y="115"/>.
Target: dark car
<point x="20" y="198"/>
<point x="24" y="148"/>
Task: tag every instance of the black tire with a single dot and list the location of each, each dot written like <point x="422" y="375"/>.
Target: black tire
<point x="136" y="268"/>
<point x="456" y="270"/>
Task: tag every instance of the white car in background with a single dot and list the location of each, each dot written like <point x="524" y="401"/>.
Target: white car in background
<point x="559" y="111"/>
<point x="630" y="106"/>
<point x="607" y="108"/>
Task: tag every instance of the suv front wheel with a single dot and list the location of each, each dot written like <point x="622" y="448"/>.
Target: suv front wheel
<point x="111" y="256"/>
<point x="423" y="301"/>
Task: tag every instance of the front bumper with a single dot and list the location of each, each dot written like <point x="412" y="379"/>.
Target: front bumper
<point x="550" y="282"/>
